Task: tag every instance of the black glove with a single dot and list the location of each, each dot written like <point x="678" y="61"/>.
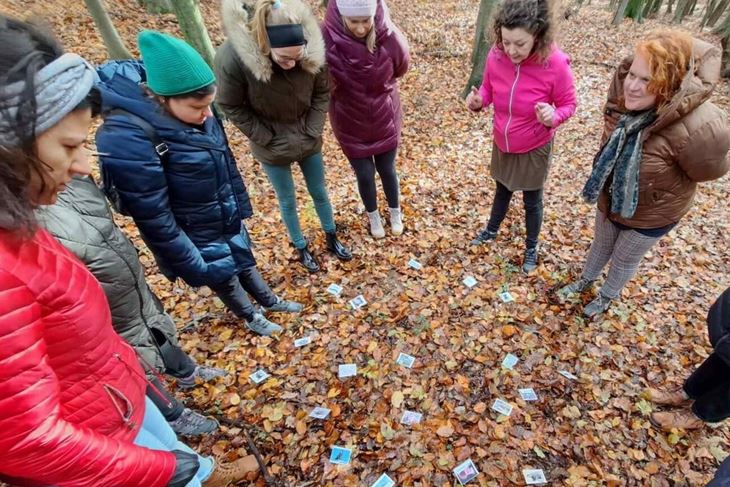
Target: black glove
<point x="187" y="467"/>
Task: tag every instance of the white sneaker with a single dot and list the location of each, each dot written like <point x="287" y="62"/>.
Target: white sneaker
<point x="396" y="221"/>
<point x="376" y="225"/>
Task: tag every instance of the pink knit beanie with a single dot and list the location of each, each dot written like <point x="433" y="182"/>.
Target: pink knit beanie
<point x="357" y="8"/>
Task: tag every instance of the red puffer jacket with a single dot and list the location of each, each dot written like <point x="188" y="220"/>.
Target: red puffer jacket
<point x="71" y="391"/>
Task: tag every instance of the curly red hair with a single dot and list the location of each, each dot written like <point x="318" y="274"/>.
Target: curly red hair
<point x="668" y="53"/>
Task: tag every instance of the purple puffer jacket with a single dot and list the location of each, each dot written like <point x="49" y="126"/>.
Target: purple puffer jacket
<point x="365" y="109"/>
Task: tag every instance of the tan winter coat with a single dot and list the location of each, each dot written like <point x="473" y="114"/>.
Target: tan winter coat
<point x="687" y="144"/>
<point x="282" y="112"/>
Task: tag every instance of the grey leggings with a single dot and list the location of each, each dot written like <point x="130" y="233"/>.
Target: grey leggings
<point x="233" y="293"/>
<point x="624" y="248"/>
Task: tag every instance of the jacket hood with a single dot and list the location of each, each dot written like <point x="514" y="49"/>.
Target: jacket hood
<point x="236" y="15"/>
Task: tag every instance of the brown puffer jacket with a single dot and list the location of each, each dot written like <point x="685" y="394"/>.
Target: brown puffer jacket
<point x="687" y="144"/>
<point x="282" y="112"/>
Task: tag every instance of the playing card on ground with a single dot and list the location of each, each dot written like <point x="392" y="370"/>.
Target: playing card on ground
<point x="469" y="281"/>
<point x="466" y="472"/>
<point x="340" y="455"/>
<point x="506" y="297"/>
<point x="414" y="264"/>
<point x="347" y="370"/>
<point x="567" y="375"/>
<point x="319" y="413"/>
<point x="383" y="481"/>
<point x="334" y="290"/>
<point x="411" y="417"/>
<point x="405" y="360"/>
<point x="300" y="342"/>
<point x="534" y="477"/>
<point x="528" y="394"/>
<point x="510" y="361"/>
<point x="502" y="407"/>
<point x="259" y="376"/>
<point x="358" y="302"/>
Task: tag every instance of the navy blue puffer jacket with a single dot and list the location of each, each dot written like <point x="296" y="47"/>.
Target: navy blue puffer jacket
<point x="190" y="210"/>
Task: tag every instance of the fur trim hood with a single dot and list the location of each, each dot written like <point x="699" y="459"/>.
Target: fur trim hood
<point x="236" y="14"/>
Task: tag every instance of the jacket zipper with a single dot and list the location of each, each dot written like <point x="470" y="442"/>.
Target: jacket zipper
<point x="151" y="384"/>
<point x="511" y="96"/>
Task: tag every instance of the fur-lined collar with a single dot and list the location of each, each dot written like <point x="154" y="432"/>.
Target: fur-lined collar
<point x="235" y="15"/>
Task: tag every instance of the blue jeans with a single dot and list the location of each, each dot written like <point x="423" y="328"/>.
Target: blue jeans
<point x="156" y="434"/>
<point x="283" y="183"/>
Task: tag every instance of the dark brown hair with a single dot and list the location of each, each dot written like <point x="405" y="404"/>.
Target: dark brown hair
<point x="535" y="16"/>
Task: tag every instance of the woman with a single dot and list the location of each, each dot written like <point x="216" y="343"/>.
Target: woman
<point x="705" y="396"/>
<point x="661" y="137"/>
<point x="81" y="220"/>
<point x="166" y="162"/>
<point x="274" y="87"/>
<point x="366" y="54"/>
<point x="528" y="79"/>
<point x="72" y="394"/>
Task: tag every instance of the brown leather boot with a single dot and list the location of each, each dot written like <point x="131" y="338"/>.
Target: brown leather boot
<point x="225" y="474"/>
<point x="683" y="419"/>
<point x="672" y="398"/>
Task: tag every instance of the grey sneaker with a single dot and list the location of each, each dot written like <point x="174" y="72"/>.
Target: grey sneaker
<point x="262" y="326"/>
<point x="597" y="306"/>
<point x="575" y="287"/>
<point x="285" y="306"/>
<point x="484" y="236"/>
<point x="530" y="262"/>
<point x="205" y="373"/>
<point x="191" y="423"/>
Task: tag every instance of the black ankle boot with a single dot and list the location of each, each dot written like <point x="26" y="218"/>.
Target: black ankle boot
<point x="336" y="247"/>
<point x="308" y="260"/>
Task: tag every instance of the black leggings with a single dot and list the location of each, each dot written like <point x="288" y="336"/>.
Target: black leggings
<point x="533" y="212"/>
<point x="233" y="293"/>
<point x="170" y="407"/>
<point x="365" y="173"/>
<point x="709" y="386"/>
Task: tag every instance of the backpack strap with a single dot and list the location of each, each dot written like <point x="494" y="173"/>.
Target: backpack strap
<point x="160" y="146"/>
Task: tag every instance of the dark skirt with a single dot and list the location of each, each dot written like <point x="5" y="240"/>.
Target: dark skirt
<point x="522" y="172"/>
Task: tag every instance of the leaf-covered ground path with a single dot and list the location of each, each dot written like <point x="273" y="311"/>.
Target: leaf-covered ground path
<point x="593" y="431"/>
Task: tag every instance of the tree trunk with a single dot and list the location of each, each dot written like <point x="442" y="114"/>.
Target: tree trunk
<point x="156" y="6"/>
<point x="114" y="44"/>
<point x="652" y="8"/>
<point x="714" y="13"/>
<point x="619" y="15"/>
<point x="724" y="31"/>
<point x="669" y="6"/>
<point x="193" y="28"/>
<point x="480" y="48"/>
<point x="635" y="9"/>
<point x="681" y="11"/>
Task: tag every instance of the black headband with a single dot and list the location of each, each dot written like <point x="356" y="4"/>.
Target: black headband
<point x="286" y="35"/>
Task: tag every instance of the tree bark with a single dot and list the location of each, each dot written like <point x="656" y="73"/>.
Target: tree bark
<point x="480" y="47"/>
<point x="619" y="15"/>
<point x="114" y="44"/>
<point x="669" y="6"/>
<point x="681" y="11"/>
<point x="192" y="26"/>
<point x="157" y="6"/>
<point x="714" y="13"/>
<point x="724" y="31"/>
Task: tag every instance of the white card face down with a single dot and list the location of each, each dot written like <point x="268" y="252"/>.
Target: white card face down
<point x="466" y="472"/>
<point x="319" y="413"/>
<point x="469" y="281"/>
<point x="259" y="376"/>
<point x="414" y="264"/>
<point x="411" y="417"/>
<point x="506" y="297"/>
<point x="510" y="361"/>
<point x="528" y="394"/>
<point x="334" y="290"/>
<point x="405" y="360"/>
<point x="300" y="342"/>
<point x="534" y="477"/>
<point x="358" y="302"/>
<point x="347" y="370"/>
<point x="502" y="407"/>
<point x="567" y="375"/>
<point x="383" y="481"/>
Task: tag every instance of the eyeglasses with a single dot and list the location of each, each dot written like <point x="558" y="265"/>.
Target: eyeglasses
<point x="287" y="59"/>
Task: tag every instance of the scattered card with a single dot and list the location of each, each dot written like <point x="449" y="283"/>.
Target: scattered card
<point x="510" y="361"/>
<point x="340" y="455"/>
<point x="411" y="417"/>
<point x="358" y="302"/>
<point x="414" y="264"/>
<point x="567" y="375"/>
<point x="506" y="297"/>
<point x="300" y="342"/>
<point x="466" y="472"/>
<point x="334" y="290"/>
<point x="528" y="394"/>
<point x="502" y="407"/>
<point x="319" y="413"/>
<point x="259" y="376"/>
<point x="405" y="360"/>
<point x="347" y="370"/>
<point x="534" y="477"/>
<point x="383" y="481"/>
<point x="469" y="281"/>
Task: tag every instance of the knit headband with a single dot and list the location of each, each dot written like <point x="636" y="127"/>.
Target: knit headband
<point x="286" y="35"/>
<point x="59" y="87"/>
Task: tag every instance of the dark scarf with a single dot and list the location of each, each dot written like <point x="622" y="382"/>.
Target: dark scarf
<point x="621" y="156"/>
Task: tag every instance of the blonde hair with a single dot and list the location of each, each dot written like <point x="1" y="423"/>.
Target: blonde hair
<point x="264" y="15"/>
<point x="370" y="40"/>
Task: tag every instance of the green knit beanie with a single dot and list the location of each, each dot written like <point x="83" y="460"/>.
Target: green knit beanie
<point x="173" y="66"/>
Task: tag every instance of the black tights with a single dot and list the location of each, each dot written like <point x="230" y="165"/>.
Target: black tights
<point x="533" y="212"/>
<point x="365" y="173"/>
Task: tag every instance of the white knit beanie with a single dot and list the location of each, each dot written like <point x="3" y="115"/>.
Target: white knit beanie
<point x="357" y="8"/>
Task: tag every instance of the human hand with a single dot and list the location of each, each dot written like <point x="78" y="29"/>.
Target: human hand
<point x="545" y="113"/>
<point x="474" y="100"/>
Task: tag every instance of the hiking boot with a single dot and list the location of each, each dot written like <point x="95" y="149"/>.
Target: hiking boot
<point x="530" y="262"/>
<point x="376" y="224"/>
<point x="673" y="398"/>
<point x="206" y="374"/>
<point x="484" y="236"/>
<point x="191" y="423"/>
<point x="575" y="287"/>
<point x="262" y="326"/>
<point x="597" y="306"/>
<point x="396" y="221"/>
<point x="683" y="419"/>
<point x="308" y="260"/>
<point x="336" y="247"/>
<point x="285" y="306"/>
<point x="225" y="474"/>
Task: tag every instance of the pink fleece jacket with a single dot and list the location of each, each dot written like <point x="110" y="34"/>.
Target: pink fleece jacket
<point x="515" y="89"/>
